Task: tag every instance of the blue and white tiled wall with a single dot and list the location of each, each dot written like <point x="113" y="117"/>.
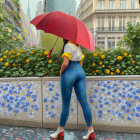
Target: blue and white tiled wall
<point x="52" y="103"/>
<point x="111" y="101"/>
<point x="20" y="99"/>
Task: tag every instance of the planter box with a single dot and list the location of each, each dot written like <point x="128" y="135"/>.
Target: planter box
<point x="36" y="102"/>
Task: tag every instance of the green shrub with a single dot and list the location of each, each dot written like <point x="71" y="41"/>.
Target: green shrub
<point x="32" y="61"/>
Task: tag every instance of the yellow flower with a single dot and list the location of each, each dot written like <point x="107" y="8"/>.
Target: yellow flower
<point x="131" y="41"/>
<point x="125" y="54"/>
<point x="130" y="55"/>
<point x="1" y="59"/>
<point x="6" y="52"/>
<point x="121" y="47"/>
<point x="126" y="38"/>
<point x="50" y="61"/>
<point x="6" y="64"/>
<point x="18" y="54"/>
<point x="14" y="64"/>
<point x="122" y="73"/>
<point x="95" y="54"/>
<point x="93" y="64"/>
<point x="21" y="51"/>
<point x="18" y="37"/>
<point x="103" y="66"/>
<point x="32" y="52"/>
<point x="9" y="30"/>
<point x="46" y="53"/>
<point x="107" y="71"/>
<point x="20" y="16"/>
<point x="93" y="72"/>
<point x="133" y="61"/>
<point x="5" y="56"/>
<point x="96" y="70"/>
<point x="109" y="66"/>
<point x="13" y="52"/>
<point x="117" y="71"/>
<point x="112" y="73"/>
<point x="12" y="56"/>
<point x="27" y="61"/>
<point x="103" y="56"/>
<point x="100" y="63"/>
<point x="119" y="58"/>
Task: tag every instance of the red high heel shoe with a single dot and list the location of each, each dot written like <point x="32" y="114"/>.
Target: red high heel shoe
<point x="90" y="135"/>
<point x="58" y="134"/>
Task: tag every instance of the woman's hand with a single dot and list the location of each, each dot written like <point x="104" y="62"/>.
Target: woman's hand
<point x="60" y="72"/>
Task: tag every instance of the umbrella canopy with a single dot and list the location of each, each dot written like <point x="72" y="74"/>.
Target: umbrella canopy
<point x="65" y="26"/>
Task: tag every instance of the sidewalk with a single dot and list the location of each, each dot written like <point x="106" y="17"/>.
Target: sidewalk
<point x="25" y="133"/>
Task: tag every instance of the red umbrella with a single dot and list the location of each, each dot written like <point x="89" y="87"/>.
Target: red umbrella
<point x="65" y="26"/>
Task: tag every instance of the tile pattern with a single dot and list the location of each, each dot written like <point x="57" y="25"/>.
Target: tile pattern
<point x="19" y="99"/>
<point x="115" y="102"/>
<point x="52" y="103"/>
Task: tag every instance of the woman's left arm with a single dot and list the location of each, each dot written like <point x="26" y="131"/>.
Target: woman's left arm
<point x="64" y="64"/>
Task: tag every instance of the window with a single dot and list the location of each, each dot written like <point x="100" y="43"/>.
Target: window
<point x="133" y="4"/>
<point x="122" y="4"/>
<point x="133" y="20"/>
<point x="101" y="23"/>
<point x="111" y="21"/>
<point x="122" y="23"/>
<point x="111" y="4"/>
<point x="101" y="4"/>
<point x="110" y="42"/>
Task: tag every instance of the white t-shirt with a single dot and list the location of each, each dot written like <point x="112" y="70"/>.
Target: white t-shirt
<point x="74" y="52"/>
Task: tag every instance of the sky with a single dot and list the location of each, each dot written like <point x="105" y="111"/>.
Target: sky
<point x="33" y="4"/>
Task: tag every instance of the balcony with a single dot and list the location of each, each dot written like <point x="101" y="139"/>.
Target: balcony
<point x="101" y="11"/>
<point x="111" y="29"/>
<point x="10" y="4"/>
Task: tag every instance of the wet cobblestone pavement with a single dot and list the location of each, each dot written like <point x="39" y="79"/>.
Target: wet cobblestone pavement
<point x="25" y="133"/>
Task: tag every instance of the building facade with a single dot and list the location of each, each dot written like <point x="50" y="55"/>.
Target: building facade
<point x="66" y="6"/>
<point x="30" y="37"/>
<point x="40" y="10"/>
<point x="10" y="7"/>
<point x="109" y="19"/>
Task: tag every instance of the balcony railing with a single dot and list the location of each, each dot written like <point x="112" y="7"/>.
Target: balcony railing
<point x="116" y="10"/>
<point x="10" y="4"/>
<point x="111" y="29"/>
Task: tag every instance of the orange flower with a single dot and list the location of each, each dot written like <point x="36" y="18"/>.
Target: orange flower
<point x="117" y="71"/>
<point x="102" y="56"/>
<point x="93" y="64"/>
<point x="107" y="71"/>
<point x="119" y="58"/>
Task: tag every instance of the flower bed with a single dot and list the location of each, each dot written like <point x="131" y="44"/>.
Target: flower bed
<point x="32" y="61"/>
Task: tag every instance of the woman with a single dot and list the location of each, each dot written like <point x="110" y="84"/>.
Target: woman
<point x="73" y="75"/>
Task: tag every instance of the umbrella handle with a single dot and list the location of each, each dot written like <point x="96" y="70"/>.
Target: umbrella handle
<point x="48" y="56"/>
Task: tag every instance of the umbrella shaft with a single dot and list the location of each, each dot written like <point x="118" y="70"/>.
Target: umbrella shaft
<point x="55" y="42"/>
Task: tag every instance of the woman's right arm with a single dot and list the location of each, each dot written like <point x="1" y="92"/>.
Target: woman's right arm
<point x="81" y="63"/>
<point x="82" y="59"/>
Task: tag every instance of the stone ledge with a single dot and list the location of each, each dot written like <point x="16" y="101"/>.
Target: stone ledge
<point x="16" y="122"/>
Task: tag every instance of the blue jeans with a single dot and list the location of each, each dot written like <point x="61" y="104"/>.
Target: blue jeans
<point x="74" y="75"/>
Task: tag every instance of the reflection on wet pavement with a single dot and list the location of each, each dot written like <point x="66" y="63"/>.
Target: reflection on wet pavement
<point x="25" y="133"/>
